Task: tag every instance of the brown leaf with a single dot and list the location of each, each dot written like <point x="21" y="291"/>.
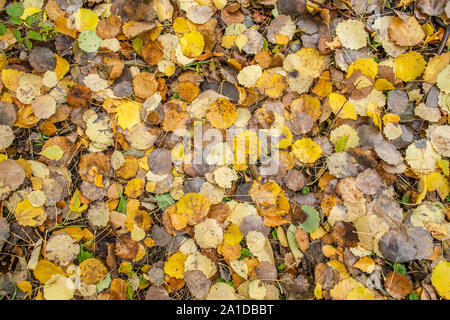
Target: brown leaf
<point x="152" y="52"/>
<point x="126" y="248"/>
<point x="79" y="96"/>
<point x="405" y="34"/>
<point x="109" y="28"/>
<point x="145" y="85"/>
<point x="344" y="234"/>
<point x="12" y="176"/>
<point x="398" y="285"/>
<point x="302" y="238"/>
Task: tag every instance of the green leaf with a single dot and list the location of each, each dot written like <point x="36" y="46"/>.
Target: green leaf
<point x="83" y="255"/>
<point x="89" y="41"/>
<point x="3" y="29"/>
<point x="137" y="44"/>
<point x="28" y="43"/>
<point x="34" y="35"/>
<point x="53" y="152"/>
<point x="15" y="9"/>
<point x="305" y="190"/>
<point x="16" y="20"/>
<point x="341" y="143"/>
<point x="104" y="284"/>
<point x="292" y="241"/>
<point x="274" y="233"/>
<point x="265" y="44"/>
<point x="245" y="253"/>
<point x="122" y="207"/>
<point x="164" y="201"/>
<point x="313" y="221"/>
<point x="16" y="34"/>
<point x="413" y="296"/>
<point x="281" y="266"/>
<point x="399" y="268"/>
<point x="129" y="292"/>
<point x="33" y="18"/>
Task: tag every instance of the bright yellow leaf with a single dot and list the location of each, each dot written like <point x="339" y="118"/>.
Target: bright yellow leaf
<point x="174" y="266"/>
<point x="367" y="66"/>
<point x="441" y="280"/>
<point x="128" y="114"/>
<point x="436" y="181"/>
<point x="45" y="269"/>
<point x="341" y="107"/>
<point x="87" y="19"/>
<point x="62" y="67"/>
<point x="409" y="66"/>
<point x="360" y="293"/>
<point x="307" y="150"/>
<point x="192" y="44"/>
<point x="232" y="235"/>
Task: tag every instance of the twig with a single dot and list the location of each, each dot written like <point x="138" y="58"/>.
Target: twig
<point x="446" y="35"/>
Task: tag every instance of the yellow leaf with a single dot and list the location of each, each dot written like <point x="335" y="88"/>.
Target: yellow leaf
<point x="92" y="270"/>
<point x="125" y="268"/>
<point x="45" y="269"/>
<point x="403" y="3"/>
<point x="360" y="293"/>
<point x="307" y="150"/>
<point x="87" y="19"/>
<point x="232" y="235"/>
<point x="181" y="25"/>
<point x="339" y="267"/>
<point x="27" y="215"/>
<point x="422" y="188"/>
<point x="25" y="286"/>
<point x="374" y="114"/>
<point x="271" y="84"/>
<point x="443" y="164"/>
<point x="195" y="206"/>
<point x="221" y="113"/>
<point x="409" y="66"/>
<point x="341" y="107"/>
<point x="434" y="66"/>
<point x="10" y="78"/>
<point x="287" y="140"/>
<point x="383" y="85"/>
<point x="343" y="288"/>
<point x="436" y="181"/>
<point x="192" y="44"/>
<point x="75" y="203"/>
<point x="119" y="287"/>
<point x="62" y="67"/>
<point x="365" y="264"/>
<point x="318" y="291"/>
<point x="367" y="66"/>
<point x="246" y="147"/>
<point x="140" y="254"/>
<point x="390" y="117"/>
<point x="149" y="242"/>
<point x="174" y="266"/>
<point x="75" y="232"/>
<point x="53" y="152"/>
<point x="128" y="114"/>
<point x="135" y="187"/>
<point x="441" y="280"/>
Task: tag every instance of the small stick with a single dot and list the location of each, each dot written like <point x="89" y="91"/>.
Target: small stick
<point x="446" y="34"/>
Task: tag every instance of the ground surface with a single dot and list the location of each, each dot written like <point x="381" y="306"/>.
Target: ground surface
<point x="214" y="149"/>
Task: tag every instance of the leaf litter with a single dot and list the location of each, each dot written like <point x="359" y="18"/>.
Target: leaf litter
<point x="334" y="182"/>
